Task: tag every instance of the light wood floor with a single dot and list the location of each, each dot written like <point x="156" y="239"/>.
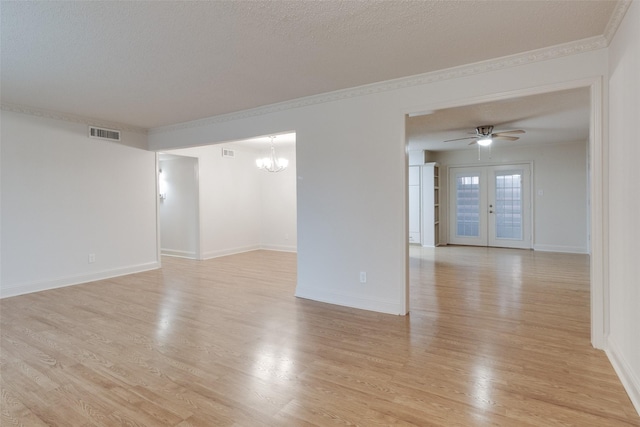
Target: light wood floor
<point x="496" y="337"/>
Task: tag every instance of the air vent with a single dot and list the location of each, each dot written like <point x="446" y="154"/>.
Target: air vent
<point x="228" y="153"/>
<point x="101" y="133"/>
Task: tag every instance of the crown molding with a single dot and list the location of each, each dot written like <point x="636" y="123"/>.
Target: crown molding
<point x="616" y="19"/>
<point x="48" y="114"/>
<point x="557" y="51"/>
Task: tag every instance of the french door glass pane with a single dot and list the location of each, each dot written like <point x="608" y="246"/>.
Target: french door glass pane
<point x="468" y="206"/>
<point x="508" y="209"/>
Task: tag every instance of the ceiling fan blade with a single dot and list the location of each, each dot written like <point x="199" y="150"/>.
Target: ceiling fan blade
<point x="460" y="139"/>
<point x="502" y="132"/>
<point x="497" y="135"/>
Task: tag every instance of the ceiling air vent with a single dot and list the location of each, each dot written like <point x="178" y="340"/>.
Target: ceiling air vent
<point x="101" y="133"/>
<point x="226" y="152"/>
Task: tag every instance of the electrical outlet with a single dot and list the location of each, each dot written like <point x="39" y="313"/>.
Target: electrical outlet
<point x="92" y="258"/>
<point x="363" y="277"/>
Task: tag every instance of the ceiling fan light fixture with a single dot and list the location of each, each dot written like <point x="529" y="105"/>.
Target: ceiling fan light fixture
<point x="484" y="136"/>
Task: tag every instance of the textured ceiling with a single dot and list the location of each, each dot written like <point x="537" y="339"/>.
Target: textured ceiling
<point x="550" y="118"/>
<point x="150" y="64"/>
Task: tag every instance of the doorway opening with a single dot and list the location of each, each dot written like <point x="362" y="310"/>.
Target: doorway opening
<point x="576" y="221"/>
<point x="178" y="206"/>
<point x="241" y="207"/>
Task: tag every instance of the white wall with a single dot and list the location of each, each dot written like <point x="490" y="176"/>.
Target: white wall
<point x="229" y="201"/>
<point x="352" y="157"/>
<point x="179" y="210"/>
<point x="241" y="207"/>
<point x="64" y="196"/>
<point x="560" y="215"/>
<point x="415" y="205"/>
<point x="416" y="157"/>
<point x="624" y="202"/>
<point x="278" y="207"/>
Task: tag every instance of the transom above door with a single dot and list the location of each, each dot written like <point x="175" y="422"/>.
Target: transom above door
<point x="490" y="206"/>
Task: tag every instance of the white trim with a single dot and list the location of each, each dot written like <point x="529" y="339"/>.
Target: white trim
<point x="61" y="282"/>
<point x="158" y="230"/>
<point x="178" y="253"/>
<point x="625" y="372"/>
<point x="558" y="51"/>
<point x="250" y="248"/>
<point x="231" y="251"/>
<point x="198" y="224"/>
<point x="559" y="248"/>
<point x="379" y="306"/>
<point x="279" y="248"/>
<point x="599" y="241"/>
<point x="616" y="19"/>
<point x="502" y="96"/>
<point x="404" y="290"/>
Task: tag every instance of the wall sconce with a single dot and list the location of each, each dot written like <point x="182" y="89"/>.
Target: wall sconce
<point x="162" y="185"/>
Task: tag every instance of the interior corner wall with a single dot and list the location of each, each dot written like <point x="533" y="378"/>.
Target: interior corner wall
<point x="351" y="165"/>
<point x="65" y="196"/>
<point x="278" y="211"/>
<point x="229" y="200"/>
<point x="560" y="213"/>
<point x="624" y="203"/>
<point x="241" y="207"/>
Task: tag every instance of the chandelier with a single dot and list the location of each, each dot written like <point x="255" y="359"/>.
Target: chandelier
<point x="272" y="163"/>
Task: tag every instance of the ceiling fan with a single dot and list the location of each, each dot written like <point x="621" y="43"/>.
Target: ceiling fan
<point x="484" y="136"/>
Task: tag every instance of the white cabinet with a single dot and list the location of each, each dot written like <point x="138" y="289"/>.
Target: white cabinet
<point x="414" y="204"/>
<point x="431" y="204"/>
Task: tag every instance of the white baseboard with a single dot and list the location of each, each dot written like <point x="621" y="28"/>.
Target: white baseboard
<point x="350" y="301"/>
<point x="629" y="379"/>
<point x="225" y="252"/>
<point x="240" y="250"/>
<point x="559" y="248"/>
<point x="61" y="282"/>
<point x="178" y="253"/>
<point x="44" y="285"/>
<point x="279" y="248"/>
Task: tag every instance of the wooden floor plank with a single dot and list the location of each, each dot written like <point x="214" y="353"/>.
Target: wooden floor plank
<point x="495" y="337"/>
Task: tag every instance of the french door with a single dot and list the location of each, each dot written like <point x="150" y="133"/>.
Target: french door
<point x="490" y="206"/>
